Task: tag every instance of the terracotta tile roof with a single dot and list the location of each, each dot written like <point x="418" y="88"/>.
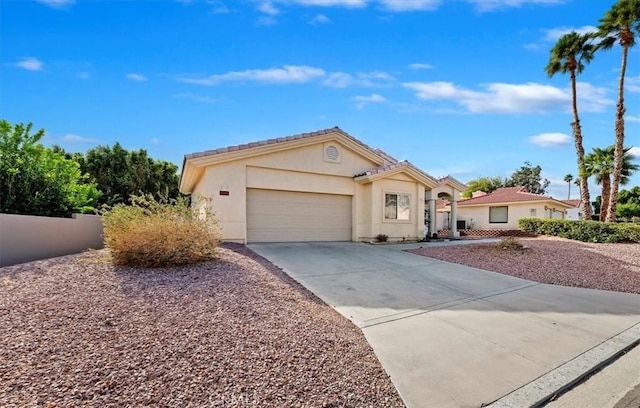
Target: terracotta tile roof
<point x="573" y="203"/>
<point x="507" y="195"/>
<point x="393" y="166"/>
<point x="316" y="133"/>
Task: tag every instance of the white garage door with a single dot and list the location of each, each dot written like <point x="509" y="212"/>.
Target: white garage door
<point x="287" y="216"/>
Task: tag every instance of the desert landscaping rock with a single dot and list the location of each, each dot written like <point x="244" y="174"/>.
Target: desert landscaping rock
<point x="556" y="261"/>
<point x="77" y="331"/>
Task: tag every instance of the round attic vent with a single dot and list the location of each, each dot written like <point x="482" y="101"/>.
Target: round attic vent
<point x="332" y="152"/>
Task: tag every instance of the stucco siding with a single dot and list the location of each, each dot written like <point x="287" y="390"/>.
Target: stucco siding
<point x="25" y="238"/>
<point x="275" y="179"/>
<point x="478" y="217"/>
<point x="311" y="159"/>
<point x="397" y="229"/>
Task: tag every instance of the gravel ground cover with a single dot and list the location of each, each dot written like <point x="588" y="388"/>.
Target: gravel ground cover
<point x="552" y="260"/>
<point x="77" y="331"/>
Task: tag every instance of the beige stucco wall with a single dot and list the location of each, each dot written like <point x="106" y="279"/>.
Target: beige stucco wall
<point x="25" y="238"/>
<point x="302" y="169"/>
<point x="396" y="229"/>
<point x="306" y="169"/>
<point x="480" y="214"/>
<point x="362" y="212"/>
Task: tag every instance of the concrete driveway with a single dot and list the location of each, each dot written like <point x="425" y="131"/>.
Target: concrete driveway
<point x="454" y="336"/>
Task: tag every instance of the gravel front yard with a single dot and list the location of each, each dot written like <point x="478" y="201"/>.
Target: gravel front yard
<point x="556" y="261"/>
<point x="77" y="331"/>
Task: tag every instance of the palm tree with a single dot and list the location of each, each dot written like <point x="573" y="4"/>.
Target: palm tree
<point x="619" y="24"/>
<point x="568" y="179"/>
<point x="600" y="164"/>
<point x="569" y="55"/>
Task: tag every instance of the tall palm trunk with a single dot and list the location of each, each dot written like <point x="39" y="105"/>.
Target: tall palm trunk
<point x="604" y="204"/>
<point x="577" y="137"/>
<point x="619" y="150"/>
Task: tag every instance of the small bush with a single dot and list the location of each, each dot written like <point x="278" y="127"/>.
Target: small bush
<point x="382" y="238"/>
<point x="152" y="234"/>
<point x="586" y="231"/>
<point x="511" y="243"/>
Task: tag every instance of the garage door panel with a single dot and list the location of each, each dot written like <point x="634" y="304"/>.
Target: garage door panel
<point x="284" y="216"/>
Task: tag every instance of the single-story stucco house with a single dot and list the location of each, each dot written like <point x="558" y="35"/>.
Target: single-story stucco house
<point x="503" y="208"/>
<point x="575" y="212"/>
<point x="320" y="186"/>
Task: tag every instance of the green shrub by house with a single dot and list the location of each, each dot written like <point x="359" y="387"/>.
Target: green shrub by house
<point x="586" y="231"/>
<point x="152" y="234"/>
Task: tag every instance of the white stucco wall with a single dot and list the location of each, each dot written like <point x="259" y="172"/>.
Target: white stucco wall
<point x="478" y="216"/>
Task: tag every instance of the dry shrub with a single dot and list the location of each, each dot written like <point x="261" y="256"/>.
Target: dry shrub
<point x="152" y="234"/>
<point x="511" y="243"/>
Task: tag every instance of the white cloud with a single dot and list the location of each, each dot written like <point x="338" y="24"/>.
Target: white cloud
<point x="362" y="101"/>
<point x="155" y="141"/>
<point x="362" y="79"/>
<point x="84" y="75"/>
<point x="420" y="66"/>
<point x="630" y="118"/>
<point x="197" y="98"/>
<point x="136" y="77"/>
<point x="512" y="98"/>
<point x="220" y="8"/>
<point x="396" y="6"/>
<point x="410" y="5"/>
<point x="283" y="75"/>
<point x="635" y="152"/>
<point x="71" y="138"/>
<point x="268" y="8"/>
<point x="327" y="3"/>
<point x="320" y="19"/>
<point x="30" y="64"/>
<point x="554" y="34"/>
<point x="57" y="3"/>
<point x="633" y="84"/>
<point x="551" y="139"/>
<point x="491" y="5"/>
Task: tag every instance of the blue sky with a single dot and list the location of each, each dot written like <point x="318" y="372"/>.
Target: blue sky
<point x="455" y="86"/>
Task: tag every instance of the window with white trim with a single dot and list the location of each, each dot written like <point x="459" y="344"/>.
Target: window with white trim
<point x="498" y="215"/>
<point x="397" y="207"/>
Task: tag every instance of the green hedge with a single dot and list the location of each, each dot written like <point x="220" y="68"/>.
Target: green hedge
<point x="586" y="231"/>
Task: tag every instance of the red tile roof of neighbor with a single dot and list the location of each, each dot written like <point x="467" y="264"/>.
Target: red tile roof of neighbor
<point x="508" y="195"/>
<point x="573" y="203"/>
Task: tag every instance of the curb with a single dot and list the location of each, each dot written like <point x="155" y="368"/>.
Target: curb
<point x="540" y="391"/>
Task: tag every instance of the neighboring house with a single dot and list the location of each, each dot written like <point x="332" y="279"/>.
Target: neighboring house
<point x="319" y="186"/>
<point x="575" y="212"/>
<point x="504" y="207"/>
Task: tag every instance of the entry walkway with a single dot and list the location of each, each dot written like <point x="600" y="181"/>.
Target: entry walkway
<point x="454" y="336"/>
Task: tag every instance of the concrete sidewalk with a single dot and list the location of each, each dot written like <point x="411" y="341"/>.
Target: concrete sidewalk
<point x="454" y="336"/>
<point x="616" y="386"/>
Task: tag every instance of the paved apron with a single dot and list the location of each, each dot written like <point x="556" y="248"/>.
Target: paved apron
<point x="451" y="335"/>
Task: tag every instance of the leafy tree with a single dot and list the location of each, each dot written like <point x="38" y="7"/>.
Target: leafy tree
<point x="569" y="55"/>
<point x="628" y="210"/>
<point x="621" y="23"/>
<point x="600" y="164"/>
<point x="568" y="179"/>
<point x="629" y="196"/>
<point x="528" y="176"/>
<point x="119" y="174"/>
<point x="35" y="180"/>
<point x="597" y="204"/>
<point x="485" y="184"/>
